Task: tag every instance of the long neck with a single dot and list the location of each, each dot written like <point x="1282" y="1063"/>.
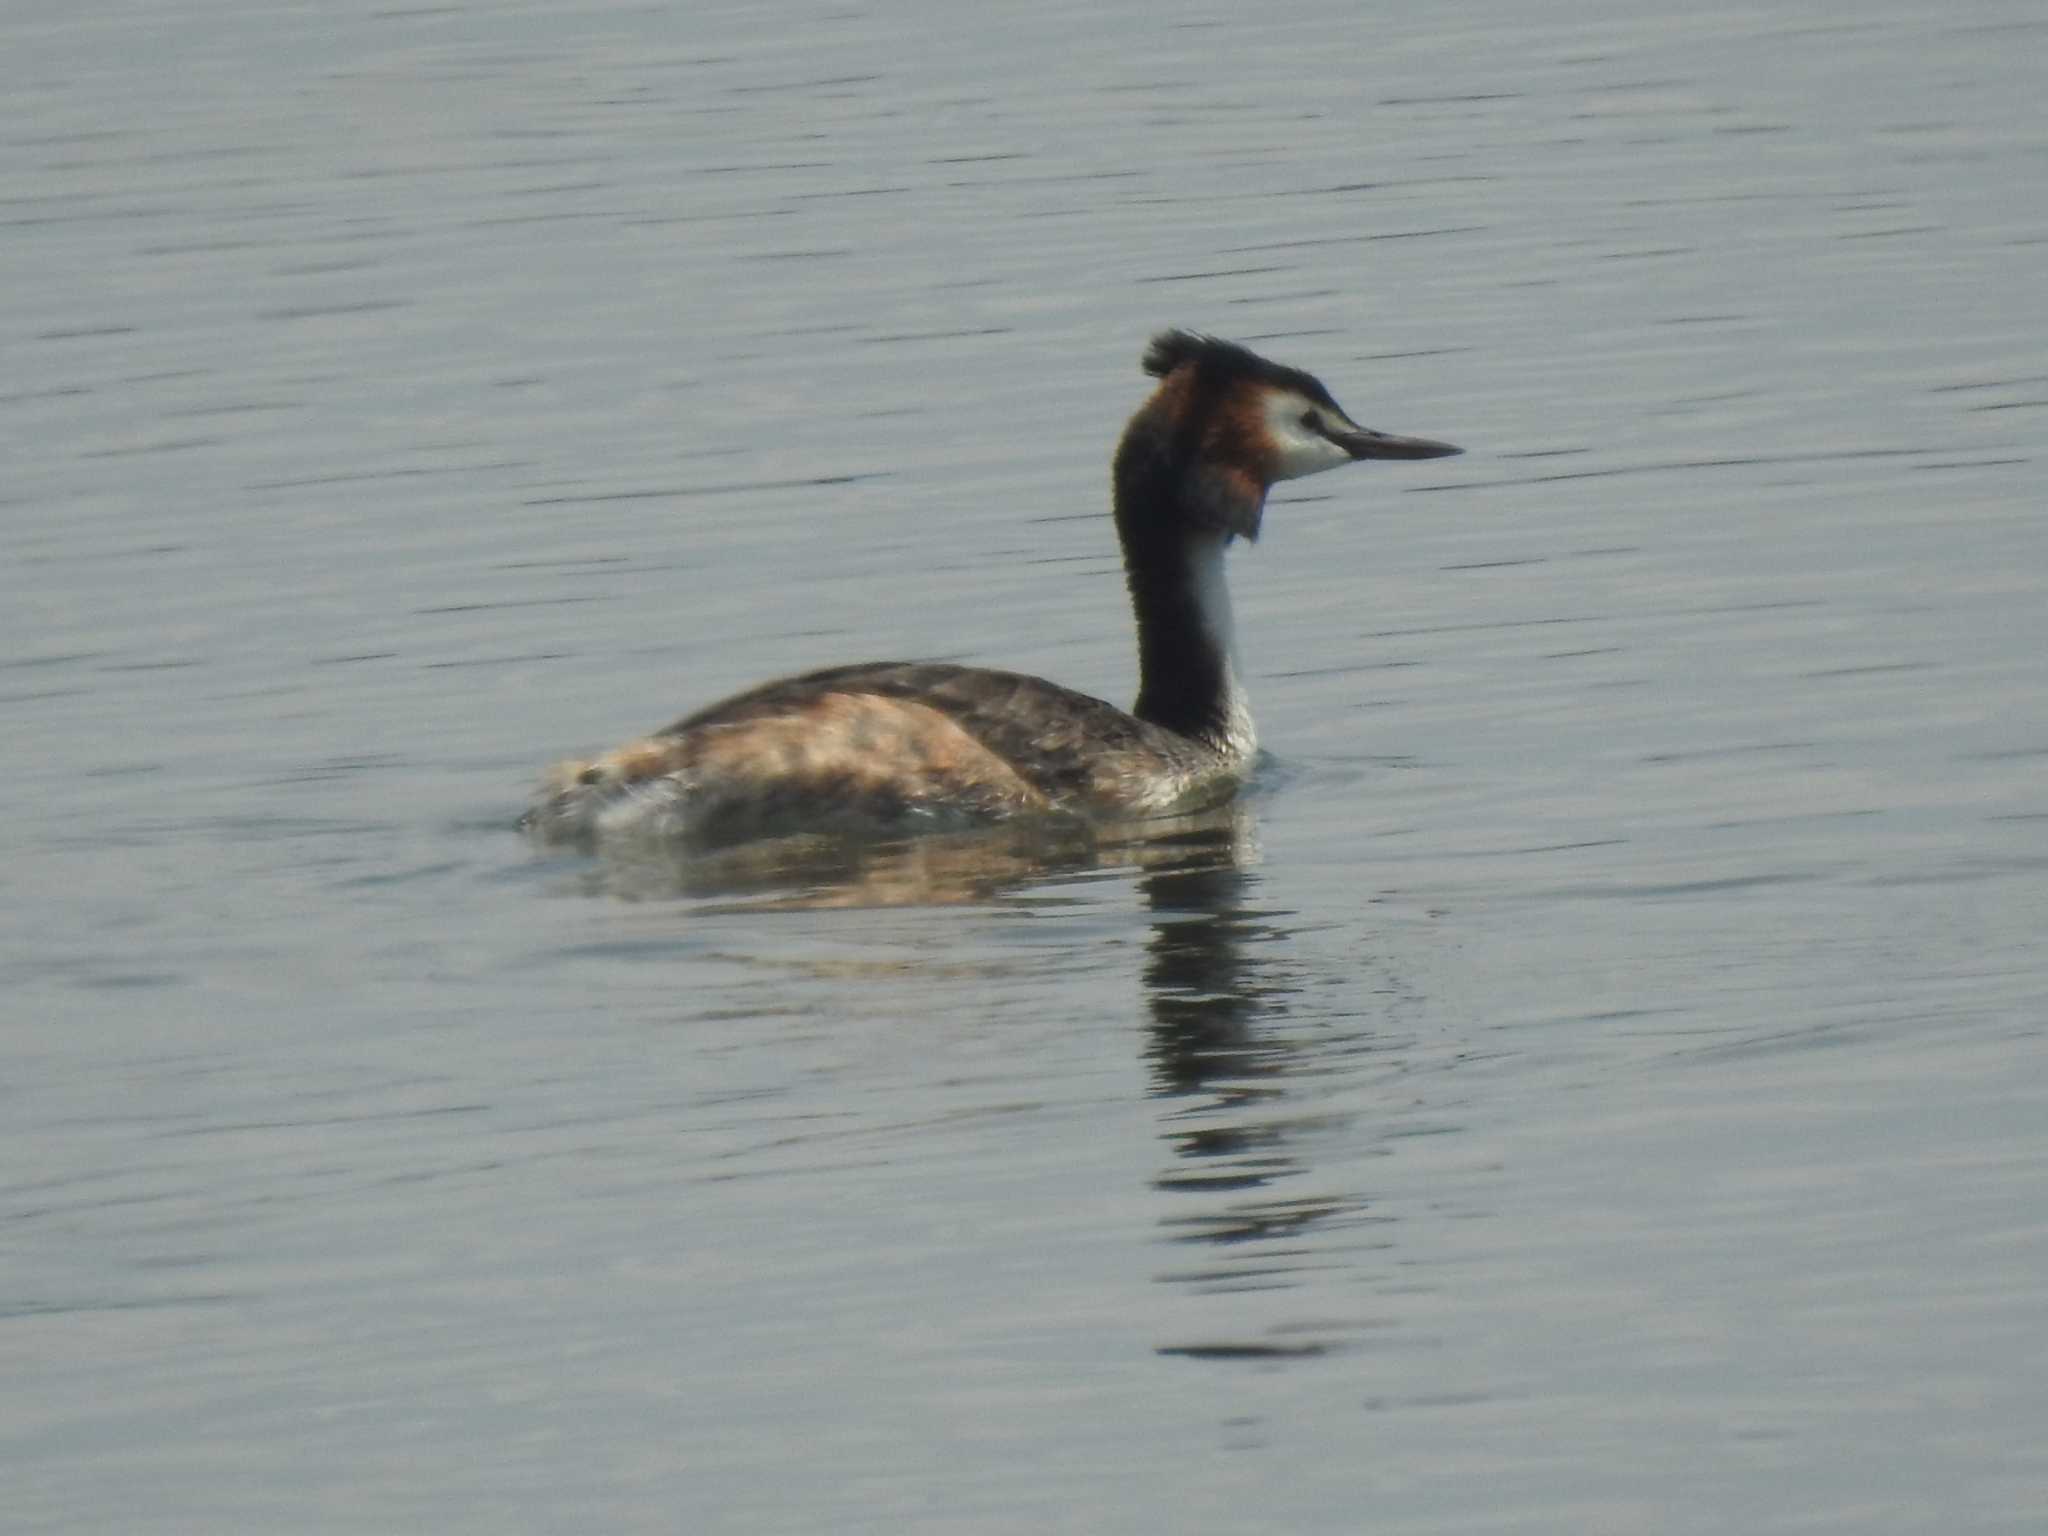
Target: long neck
<point x="1187" y="672"/>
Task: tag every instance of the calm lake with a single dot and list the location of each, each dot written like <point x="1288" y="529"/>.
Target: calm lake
<point x="1594" y="1082"/>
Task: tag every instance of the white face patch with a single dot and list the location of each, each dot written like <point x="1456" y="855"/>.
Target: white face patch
<point x="1302" y="449"/>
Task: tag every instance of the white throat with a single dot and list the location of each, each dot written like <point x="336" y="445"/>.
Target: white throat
<point x="1212" y="607"/>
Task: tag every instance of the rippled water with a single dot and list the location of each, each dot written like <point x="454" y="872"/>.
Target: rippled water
<point x="1594" y="1083"/>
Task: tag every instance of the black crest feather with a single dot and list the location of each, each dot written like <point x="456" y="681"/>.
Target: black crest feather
<point x="1220" y="363"/>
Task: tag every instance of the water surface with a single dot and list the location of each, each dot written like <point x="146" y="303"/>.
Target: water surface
<point x="1594" y="1084"/>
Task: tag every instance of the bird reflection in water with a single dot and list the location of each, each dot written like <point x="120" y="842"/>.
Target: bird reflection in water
<point x="1221" y="996"/>
<point x="815" y="872"/>
<point x="1234" y="1050"/>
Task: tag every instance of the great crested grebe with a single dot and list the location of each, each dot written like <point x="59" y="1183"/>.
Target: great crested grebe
<point x="898" y="746"/>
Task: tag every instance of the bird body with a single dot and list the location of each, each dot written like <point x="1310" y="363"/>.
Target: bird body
<point x="885" y="747"/>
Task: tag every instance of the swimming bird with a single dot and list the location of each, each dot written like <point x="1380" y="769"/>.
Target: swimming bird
<point x="900" y="746"/>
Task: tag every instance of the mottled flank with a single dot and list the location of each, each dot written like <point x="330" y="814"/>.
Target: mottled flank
<point x="883" y="747"/>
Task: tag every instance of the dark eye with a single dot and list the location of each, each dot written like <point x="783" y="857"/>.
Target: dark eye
<point x="1312" y="421"/>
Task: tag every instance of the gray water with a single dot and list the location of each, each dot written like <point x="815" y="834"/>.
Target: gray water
<point x="1594" y="1084"/>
